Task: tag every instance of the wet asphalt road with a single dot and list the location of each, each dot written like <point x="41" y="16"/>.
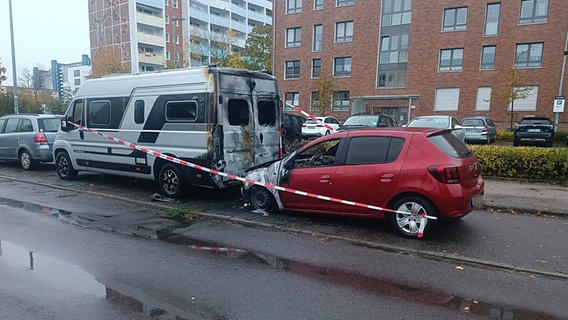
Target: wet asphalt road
<point x="477" y="254"/>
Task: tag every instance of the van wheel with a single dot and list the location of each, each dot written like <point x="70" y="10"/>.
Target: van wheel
<point x="26" y="160"/>
<point x="171" y="181"/>
<point x="64" y="167"/>
<point x="262" y="199"/>
<point x="409" y="224"/>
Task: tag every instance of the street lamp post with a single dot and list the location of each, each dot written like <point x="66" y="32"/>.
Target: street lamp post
<point x="174" y="21"/>
<point x="14" y="76"/>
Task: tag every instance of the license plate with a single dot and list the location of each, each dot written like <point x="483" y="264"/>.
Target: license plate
<point x="311" y="127"/>
<point x="533" y="130"/>
<point x="470" y="130"/>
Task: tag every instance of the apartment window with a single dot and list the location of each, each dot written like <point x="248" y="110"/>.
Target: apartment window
<point x="293" y="6"/>
<point x="342" y="67"/>
<point x="168" y="55"/>
<point x="176" y="39"/>
<point x="340" y="101"/>
<point x="492" y="19"/>
<point x="314" y="101"/>
<point x="293" y="37"/>
<point x="167" y="18"/>
<point x="343" y="3"/>
<point x="488" y="58"/>
<point x="176" y="23"/>
<point x="76" y="73"/>
<point x="529" y="55"/>
<point x="451" y="59"/>
<point x="528" y="103"/>
<point x="318" y="35"/>
<point x="316" y="68"/>
<point x="174" y="4"/>
<point x="483" y="99"/>
<point x="167" y="37"/>
<point x="344" y="31"/>
<point x="77" y="82"/>
<point x="447" y="99"/>
<point x="318" y="4"/>
<point x="455" y="19"/>
<point x="166" y="2"/>
<point x="396" y="12"/>
<point x="533" y="11"/>
<point x="292" y="69"/>
<point x="291" y="98"/>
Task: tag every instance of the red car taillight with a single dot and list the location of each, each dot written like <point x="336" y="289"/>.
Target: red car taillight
<point x="484" y="129"/>
<point x="445" y="174"/>
<point x="319" y="125"/>
<point x="40" y="138"/>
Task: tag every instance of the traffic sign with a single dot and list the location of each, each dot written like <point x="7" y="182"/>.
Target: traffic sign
<point x="558" y="104"/>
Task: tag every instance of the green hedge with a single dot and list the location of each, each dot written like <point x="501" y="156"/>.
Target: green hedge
<point x="559" y="136"/>
<point x="527" y="163"/>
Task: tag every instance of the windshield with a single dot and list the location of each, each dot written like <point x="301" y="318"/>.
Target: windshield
<point x="366" y="121"/>
<point x="429" y="123"/>
<point x="472" y="122"/>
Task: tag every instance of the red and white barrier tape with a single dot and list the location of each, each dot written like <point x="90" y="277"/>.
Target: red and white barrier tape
<point x="266" y="185"/>
<point x="307" y="115"/>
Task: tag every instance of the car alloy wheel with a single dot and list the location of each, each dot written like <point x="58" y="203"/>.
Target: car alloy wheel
<point x="171" y="181"/>
<point x="409" y="218"/>
<point x="64" y="167"/>
<point x="26" y="160"/>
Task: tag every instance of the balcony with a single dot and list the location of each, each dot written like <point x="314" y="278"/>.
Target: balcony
<point x="258" y="16"/>
<point x="239" y="10"/>
<point x="219" y="20"/>
<point x="151" y="40"/>
<point x="151" y="58"/>
<point x="150" y="20"/>
<point x="237" y="26"/>
<point x="199" y="14"/>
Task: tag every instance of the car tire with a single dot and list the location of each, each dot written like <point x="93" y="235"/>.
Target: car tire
<point x="171" y="181"/>
<point x="409" y="225"/>
<point x="515" y="143"/>
<point x="26" y="160"/>
<point x="64" y="167"/>
<point x="262" y="199"/>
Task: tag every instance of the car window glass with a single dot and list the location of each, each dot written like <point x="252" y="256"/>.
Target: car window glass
<point x="25" y="126"/>
<point x="286" y="120"/>
<point x="49" y="124"/>
<point x="373" y="150"/>
<point x="2" y="122"/>
<point x="321" y="154"/>
<point x="11" y="125"/>
<point x="429" y="123"/>
<point x="450" y="145"/>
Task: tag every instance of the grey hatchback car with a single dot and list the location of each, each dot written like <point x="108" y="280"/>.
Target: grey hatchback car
<point x="479" y="129"/>
<point x="28" y="138"/>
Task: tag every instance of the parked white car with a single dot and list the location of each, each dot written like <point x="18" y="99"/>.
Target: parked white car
<point x="447" y="122"/>
<point x="322" y="127"/>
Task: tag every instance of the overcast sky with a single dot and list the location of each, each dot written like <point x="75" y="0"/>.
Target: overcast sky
<point x="44" y="30"/>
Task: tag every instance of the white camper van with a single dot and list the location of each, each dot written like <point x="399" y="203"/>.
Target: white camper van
<point x="219" y="118"/>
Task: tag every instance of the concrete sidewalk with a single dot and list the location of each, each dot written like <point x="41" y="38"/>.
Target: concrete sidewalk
<point x="526" y="197"/>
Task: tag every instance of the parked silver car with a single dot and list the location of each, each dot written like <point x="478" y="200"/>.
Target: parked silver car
<point x="479" y="129"/>
<point x="442" y="122"/>
<point x="28" y="138"/>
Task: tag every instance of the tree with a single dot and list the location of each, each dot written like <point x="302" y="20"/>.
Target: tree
<point x="25" y="78"/>
<point x="2" y="74"/>
<point x="258" y="48"/>
<point x="511" y="88"/>
<point x="210" y="47"/>
<point x="107" y="61"/>
<point x="324" y="87"/>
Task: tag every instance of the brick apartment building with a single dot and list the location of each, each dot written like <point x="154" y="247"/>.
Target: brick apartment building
<point x="422" y="56"/>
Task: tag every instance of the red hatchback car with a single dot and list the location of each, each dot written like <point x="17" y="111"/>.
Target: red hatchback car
<point x="412" y="176"/>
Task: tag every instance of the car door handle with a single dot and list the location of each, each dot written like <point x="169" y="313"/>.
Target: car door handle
<point x="387" y="177"/>
<point x="325" y="179"/>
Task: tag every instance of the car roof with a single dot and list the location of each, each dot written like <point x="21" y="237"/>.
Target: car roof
<point x="392" y="130"/>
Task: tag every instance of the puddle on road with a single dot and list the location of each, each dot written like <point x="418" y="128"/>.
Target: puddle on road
<point x="383" y="287"/>
<point x="68" y="277"/>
